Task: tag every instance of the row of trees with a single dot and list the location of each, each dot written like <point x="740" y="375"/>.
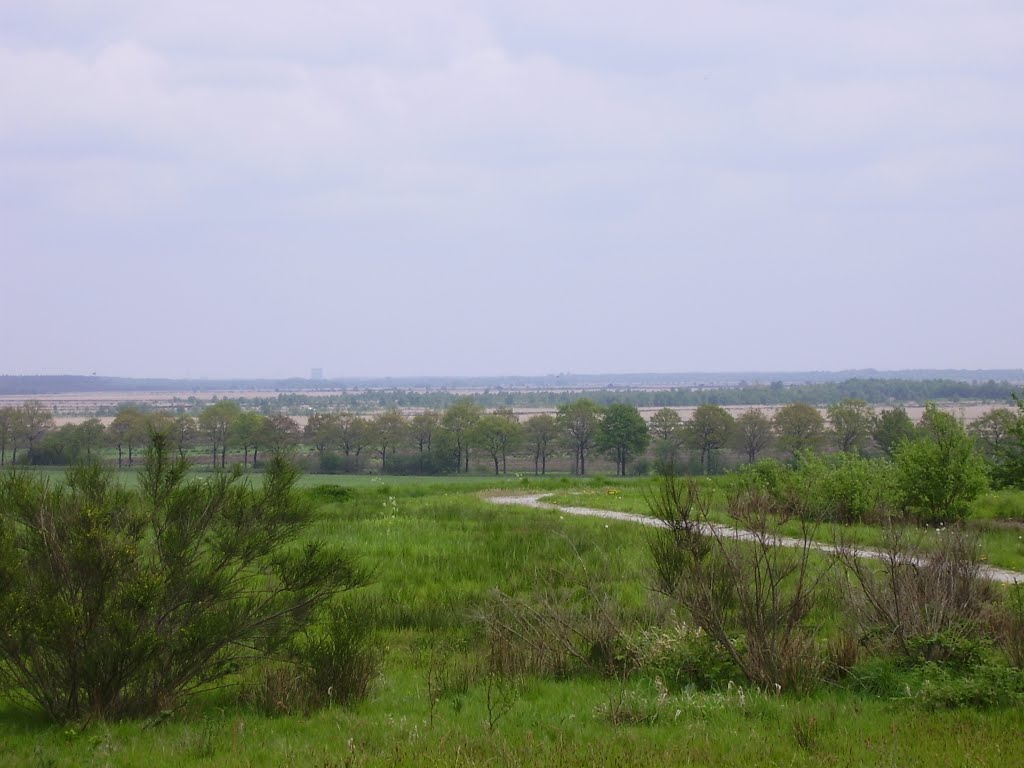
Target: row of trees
<point x="443" y="441"/>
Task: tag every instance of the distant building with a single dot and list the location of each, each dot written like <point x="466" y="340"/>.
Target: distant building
<point x="316" y="374"/>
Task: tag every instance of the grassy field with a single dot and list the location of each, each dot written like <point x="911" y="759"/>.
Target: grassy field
<point x="997" y="518"/>
<point x="438" y="552"/>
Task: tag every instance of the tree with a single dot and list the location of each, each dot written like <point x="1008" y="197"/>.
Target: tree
<point x="941" y="473"/>
<point x="1009" y="454"/>
<point x="458" y="422"/>
<point x="127" y="430"/>
<point x="321" y="431"/>
<point x="422" y="427"/>
<point x="497" y="434"/>
<point x="183" y="433"/>
<point x="121" y="603"/>
<point x="753" y="433"/>
<point x="540" y="432"/>
<point x="280" y="433"/>
<point x="248" y="432"/>
<point x="578" y="422"/>
<point x="216" y="422"/>
<point x="1000" y="439"/>
<point x="666" y="427"/>
<point x="709" y="429"/>
<point x="389" y="429"/>
<point x="798" y="427"/>
<point x="35" y="421"/>
<point x="353" y="434"/>
<point x="892" y="427"/>
<point x="9" y="427"/>
<point x="622" y="434"/>
<point x="852" y="422"/>
<point x="88" y="437"/>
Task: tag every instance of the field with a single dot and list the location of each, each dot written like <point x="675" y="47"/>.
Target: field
<point x="438" y="551"/>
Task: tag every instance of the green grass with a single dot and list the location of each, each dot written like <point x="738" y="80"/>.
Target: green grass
<point x="996" y="517"/>
<point x="437" y="551"/>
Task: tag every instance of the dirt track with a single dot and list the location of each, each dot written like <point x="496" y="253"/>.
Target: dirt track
<point x="1001" y="575"/>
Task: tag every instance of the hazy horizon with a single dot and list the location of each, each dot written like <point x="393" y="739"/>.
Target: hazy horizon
<point x="227" y="190"/>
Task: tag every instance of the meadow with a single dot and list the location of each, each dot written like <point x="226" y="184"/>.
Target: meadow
<point x="443" y="561"/>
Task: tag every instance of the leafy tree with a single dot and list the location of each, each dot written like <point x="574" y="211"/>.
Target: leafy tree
<point x="666" y="428"/>
<point x="422" y="427"/>
<point x="248" y="432"/>
<point x="183" y="433"/>
<point x="540" y="432"/>
<point x="216" y="422"/>
<point x="34" y="422"/>
<point x="798" y="427"/>
<point x="389" y="429"/>
<point x="753" y="433"/>
<point x="892" y="427"/>
<point x="121" y="603"/>
<point x="354" y="434"/>
<point x="999" y="435"/>
<point x="458" y="422"/>
<point x="127" y="430"/>
<point x="321" y="431"/>
<point x="578" y="422"/>
<point x="709" y="429"/>
<point x="1010" y="455"/>
<point x="622" y="433"/>
<point x="497" y="434"/>
<point x="941" y="473"/>
<point x="852" y="422"/>
<point x="280" y="433"/>
<point x="88" y="437"/>
<point x="9" y="427"/>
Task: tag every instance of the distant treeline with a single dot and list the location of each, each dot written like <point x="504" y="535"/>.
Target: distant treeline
<point x="874" y="391"/>
<point x="568" y="383"/>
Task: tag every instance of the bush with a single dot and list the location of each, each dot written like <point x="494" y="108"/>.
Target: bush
<point x="940" y="474"/>
<point x="926" y="604"/>
<point x="682" y="656"/>
<point x="334" y="662"/>
<point x="748" y="592"/>
<point x="841" y="488"/>
<point x="120" y="603"/>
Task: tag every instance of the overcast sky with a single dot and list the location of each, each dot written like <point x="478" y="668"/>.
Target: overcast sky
<point x="215" y="188"/>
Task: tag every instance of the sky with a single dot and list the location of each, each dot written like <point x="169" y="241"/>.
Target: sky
<point x="229" y="188"/>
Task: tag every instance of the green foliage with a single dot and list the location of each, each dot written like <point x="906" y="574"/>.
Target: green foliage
<point x="683" y="656"/>
<point x="982" y="687"/>
<point x="852" y="422"/>
<point x="710" y="428"/>
<point x="622" y="434"/>
<point x="841" y="488"/>
<point x="941" y="473"/>
<point x="1008" y="453"/>
<point x="120" y="603"/>
<point x="798" y="427"/>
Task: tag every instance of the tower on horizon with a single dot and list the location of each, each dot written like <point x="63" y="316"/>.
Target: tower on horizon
<point x="316" y="374"/>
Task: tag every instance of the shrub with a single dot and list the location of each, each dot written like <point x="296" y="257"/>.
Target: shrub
<point x="940" y="474"/>
<point x="925" y="603"/>
<point x="741" y="585"/>
<point x="682" y="656"/>
<point x="119" y="603"/>
<point x="333" y="662"/>
<point x="840" y="488"/>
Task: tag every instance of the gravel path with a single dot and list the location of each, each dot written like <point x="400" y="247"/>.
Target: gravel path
<point x="1001" y="575"/>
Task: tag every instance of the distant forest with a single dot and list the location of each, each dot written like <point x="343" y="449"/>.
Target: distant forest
<point x="754" y="388"/>
<point x="873" y="391"/>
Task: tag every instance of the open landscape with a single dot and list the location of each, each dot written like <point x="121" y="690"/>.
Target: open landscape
<point x="536" y="383"/>
<point x="501" y="603"/>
